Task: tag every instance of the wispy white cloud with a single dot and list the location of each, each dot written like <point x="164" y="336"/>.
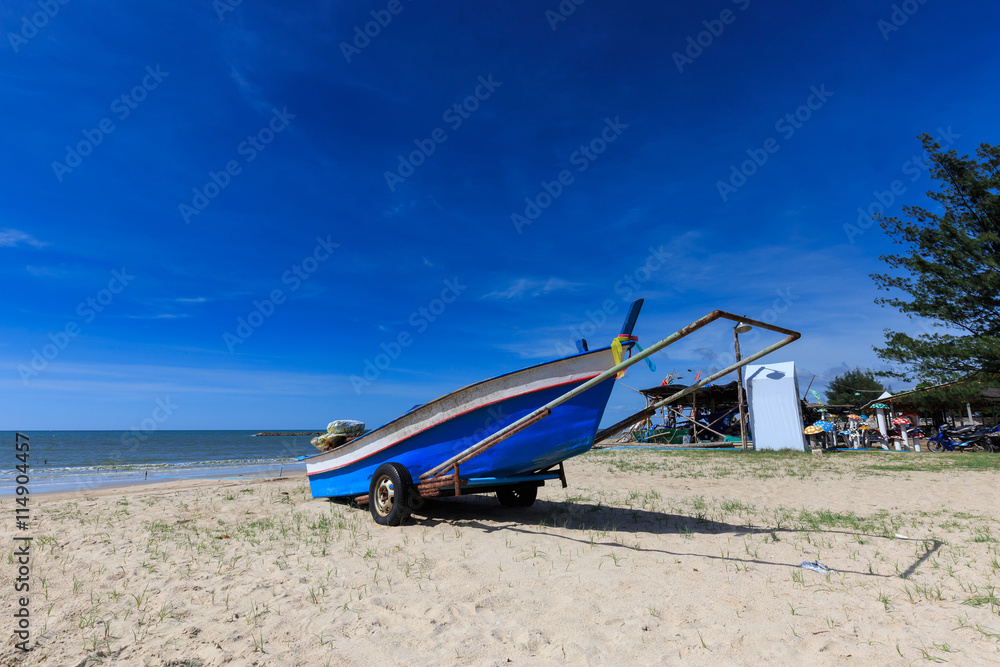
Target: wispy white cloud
<point x="398" y="209"/>
<point x="196" y="299"/>
<point x="44" y="271"/>
<point x="13" y="237"/>
<point x="158" y="316"/>
<point x="529" y="287"/>
<point x="122" y="379"/>
<point x="249" y="91"/>
<point x="411" y="205"/>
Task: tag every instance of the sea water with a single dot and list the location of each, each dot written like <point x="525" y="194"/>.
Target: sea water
<point x="81" y="460"/>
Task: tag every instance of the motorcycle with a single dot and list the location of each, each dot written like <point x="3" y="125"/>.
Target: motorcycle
<point x="992" y="440"/>
<point x="964" y="438"/>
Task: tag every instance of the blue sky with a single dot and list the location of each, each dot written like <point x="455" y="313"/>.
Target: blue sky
<point x="171" y="171"/>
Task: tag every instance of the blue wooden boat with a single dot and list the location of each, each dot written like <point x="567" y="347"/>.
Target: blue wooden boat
<point x="508" y="435"/>
<point x="380" y="466"/>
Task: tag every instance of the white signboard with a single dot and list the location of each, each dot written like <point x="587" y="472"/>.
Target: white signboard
<point x="775" y="409"/>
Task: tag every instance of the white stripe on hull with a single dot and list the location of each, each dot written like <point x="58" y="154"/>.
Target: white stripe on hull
<point x="563" y="371"/>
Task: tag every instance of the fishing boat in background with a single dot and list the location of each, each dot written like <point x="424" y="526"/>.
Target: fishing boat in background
<point x="409" y="446"/>
<point x="508" y="435"/>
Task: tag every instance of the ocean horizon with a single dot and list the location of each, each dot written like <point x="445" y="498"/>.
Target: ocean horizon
<point x="80" y="460"/>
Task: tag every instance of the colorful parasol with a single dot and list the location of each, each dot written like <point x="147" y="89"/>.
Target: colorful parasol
<point x="880" y="406"/>
<point x="853" y="417"/>
<point x="812" y="429"/>
<point x="900" y="420"/>
<point x="826" y="426"/>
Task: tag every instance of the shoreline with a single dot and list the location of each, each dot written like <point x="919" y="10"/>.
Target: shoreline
<point x="82" y="480"/>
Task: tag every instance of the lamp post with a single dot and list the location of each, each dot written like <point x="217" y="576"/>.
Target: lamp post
<point x="737" y="330"/>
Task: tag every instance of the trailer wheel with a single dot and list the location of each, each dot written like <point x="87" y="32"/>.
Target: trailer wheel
<point x="389" y="494"/>
<point x="519" y="495"/>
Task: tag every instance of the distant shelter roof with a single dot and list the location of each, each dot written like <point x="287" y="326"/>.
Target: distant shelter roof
<point x="986" y="397"/>
<point x="720" y="394"/>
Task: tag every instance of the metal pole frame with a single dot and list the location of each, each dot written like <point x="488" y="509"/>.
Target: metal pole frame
<point x="545" y="410"/>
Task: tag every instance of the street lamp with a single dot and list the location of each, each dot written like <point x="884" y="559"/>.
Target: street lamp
<point x="737" y="330"/>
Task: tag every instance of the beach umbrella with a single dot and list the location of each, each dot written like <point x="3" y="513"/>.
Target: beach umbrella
<point x="880" y="409"/>
<point x="901" y="422"/>
<point x="862" y="435"/>
<point x="852" y="426"/>
<point x="828" y="427"/>
<point x="822" y="412"/>
<point x="811" y="431"/>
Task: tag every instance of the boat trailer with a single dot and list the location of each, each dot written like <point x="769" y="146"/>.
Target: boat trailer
<point x="445" y="478"/>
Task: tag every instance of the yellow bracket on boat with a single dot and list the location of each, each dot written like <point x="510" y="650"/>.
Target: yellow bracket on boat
<point x="618" y="352"/>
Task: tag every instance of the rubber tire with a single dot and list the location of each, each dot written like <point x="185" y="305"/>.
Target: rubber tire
<point x="519" y="495"/>
<point x="934" y="445"/>
<point x="390" y="511"/>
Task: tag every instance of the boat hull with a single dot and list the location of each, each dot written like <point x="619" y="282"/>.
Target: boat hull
<point x="433" y="433"/>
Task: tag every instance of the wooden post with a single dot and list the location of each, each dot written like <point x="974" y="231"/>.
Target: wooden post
<point x="694" y="416"/>
<point x="739" y="389"/>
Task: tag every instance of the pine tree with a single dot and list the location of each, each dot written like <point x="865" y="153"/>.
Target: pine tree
<point x="855" y="387"/>
<point x="953" y="262"/>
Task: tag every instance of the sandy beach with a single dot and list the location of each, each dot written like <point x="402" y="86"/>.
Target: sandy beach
<point x="646" y="558"/>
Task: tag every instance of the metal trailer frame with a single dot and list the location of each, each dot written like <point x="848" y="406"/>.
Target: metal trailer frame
<point x="445" y="479"/>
